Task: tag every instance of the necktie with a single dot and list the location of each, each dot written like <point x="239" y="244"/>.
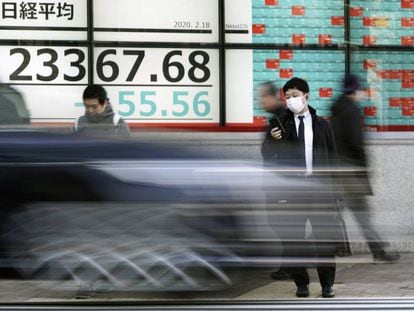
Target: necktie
<point x="301" y="137"/>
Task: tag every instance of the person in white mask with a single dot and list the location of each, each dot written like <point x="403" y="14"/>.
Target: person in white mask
<point x="304" y="141"/>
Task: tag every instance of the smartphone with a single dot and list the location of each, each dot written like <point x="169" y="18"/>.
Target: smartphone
<point x="280" y="124"/>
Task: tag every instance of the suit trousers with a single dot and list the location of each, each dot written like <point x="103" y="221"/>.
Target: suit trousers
<point x="315" y="251"/>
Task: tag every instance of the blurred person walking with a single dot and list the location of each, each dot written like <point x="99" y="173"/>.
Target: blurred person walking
<point x="304" y="140"/>
<point x="271" y="103"/>
<point x="13" y="110"/>
<point x="99" y="118"/>
<point x="348" y="134"/>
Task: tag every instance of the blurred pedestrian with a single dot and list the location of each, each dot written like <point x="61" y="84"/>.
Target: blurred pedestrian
<point x="99" y="118"/>
<point x="304" y="140"/>
<point x="271" y="103"/>
<point x="13" y="110"/>
<point x="348" y="134"/>
<point x="273" y="106"/>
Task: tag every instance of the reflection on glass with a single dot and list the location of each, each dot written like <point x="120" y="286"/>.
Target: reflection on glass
<point x="298" y="22"/>
<point x="389" y="100"/>
<point x="379" y="22"/>
<point x="322" y="69"/>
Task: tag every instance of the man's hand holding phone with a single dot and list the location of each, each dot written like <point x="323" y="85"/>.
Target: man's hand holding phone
<point x="276" y="133"/>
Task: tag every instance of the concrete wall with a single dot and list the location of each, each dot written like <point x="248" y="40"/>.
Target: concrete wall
<point x="392" y="178"/>
<point x="392" y="165"/>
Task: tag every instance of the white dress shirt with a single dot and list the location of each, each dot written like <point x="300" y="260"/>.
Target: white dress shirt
<point x="307" y="121"/>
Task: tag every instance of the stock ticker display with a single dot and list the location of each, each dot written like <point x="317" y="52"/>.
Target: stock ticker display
<point x="389" y="77"/>
<point x="382" y="22"/>
<point x="181" y="84"/>
<point x="322" y="69"/>
<point x="387" y="80"/>
<point x="298" y="22"/>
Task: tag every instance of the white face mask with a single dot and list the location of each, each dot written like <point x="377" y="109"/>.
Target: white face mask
<point x="295" y="104"/>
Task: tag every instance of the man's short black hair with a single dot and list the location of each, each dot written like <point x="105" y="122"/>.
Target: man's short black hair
<point x="296" y="83"/>
<point x="95" y="91"/>
<point x="269" y="88"/>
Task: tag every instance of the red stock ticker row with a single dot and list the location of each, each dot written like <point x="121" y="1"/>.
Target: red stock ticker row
<point x="405" y="4"/>
<point x="406" y="105"/>
<point x="370" y="21"/>
<point x="324" y="39"/>
<point x="287" y="73"/>
<point x="300" y="39"/>
<point x="405" y="75"/>
<point x="407" y="79"/>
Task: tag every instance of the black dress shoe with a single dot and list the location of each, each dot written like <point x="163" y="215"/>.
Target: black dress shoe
<point x="327" y="291"/>
<point x="384" y="257"/>
<point x="280" y="275"/>
<point x="302" y="291"/>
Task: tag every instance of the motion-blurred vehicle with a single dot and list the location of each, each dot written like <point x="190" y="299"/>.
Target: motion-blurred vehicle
<point x="138" y="216"/>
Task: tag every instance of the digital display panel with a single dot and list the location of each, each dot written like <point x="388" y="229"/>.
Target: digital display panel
<point x="156" y="21"/>
<point x="52" y="104"/>
<point x="51" y="79"/>
<point x="298" y="22"/>
<point x="43" y="20"/>
<point x="144" y="85"/>
<point x="181" y="85"/>
<point x="382" y="22"/>
<point x="161" y="85"/>
<point x="238" y="21"/>
<point x="389" y="89"/>
<point x="324" y="71"/>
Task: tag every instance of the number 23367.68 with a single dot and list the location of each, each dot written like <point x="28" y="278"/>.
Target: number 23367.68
<point x="108" y="68"/>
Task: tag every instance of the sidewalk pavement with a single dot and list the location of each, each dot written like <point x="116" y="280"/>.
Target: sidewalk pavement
<point x="357" y="277"/>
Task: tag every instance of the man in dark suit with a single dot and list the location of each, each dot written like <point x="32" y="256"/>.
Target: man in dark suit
<point x="303" y="141"/>
<point x="347" y="128"/>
